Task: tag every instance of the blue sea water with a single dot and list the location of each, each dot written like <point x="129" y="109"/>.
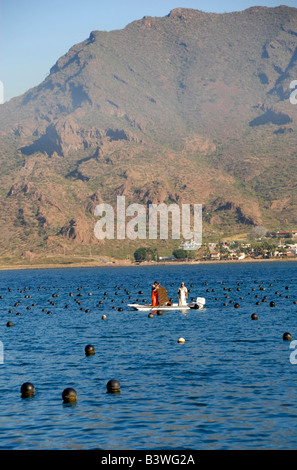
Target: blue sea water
<point x="231" y="385"/>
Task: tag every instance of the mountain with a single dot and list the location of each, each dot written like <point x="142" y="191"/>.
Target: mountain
<point x="189" y="108"/>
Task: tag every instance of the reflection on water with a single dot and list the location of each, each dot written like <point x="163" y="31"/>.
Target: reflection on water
<point x="229" y="386"/>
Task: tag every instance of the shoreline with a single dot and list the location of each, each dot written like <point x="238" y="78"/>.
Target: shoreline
<point x="119" y="263"/>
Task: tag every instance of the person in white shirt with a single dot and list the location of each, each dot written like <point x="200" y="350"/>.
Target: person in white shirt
<point x="182" y="294"/>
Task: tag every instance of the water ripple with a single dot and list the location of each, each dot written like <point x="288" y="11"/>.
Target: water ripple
<point x="229" y="386"/>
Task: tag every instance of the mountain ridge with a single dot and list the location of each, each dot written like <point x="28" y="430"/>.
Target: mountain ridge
<point x="192" y="108"/>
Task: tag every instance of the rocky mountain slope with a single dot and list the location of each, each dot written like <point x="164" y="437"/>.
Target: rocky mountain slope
<point x="189" y="108"/>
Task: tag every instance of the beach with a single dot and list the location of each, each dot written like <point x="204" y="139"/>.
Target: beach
<point x="127" y="263"/>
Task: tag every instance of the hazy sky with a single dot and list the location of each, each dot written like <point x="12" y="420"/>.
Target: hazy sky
<point x="35" y="33"/>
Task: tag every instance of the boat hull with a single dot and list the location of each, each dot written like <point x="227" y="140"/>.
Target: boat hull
<point x="164" y="308"/>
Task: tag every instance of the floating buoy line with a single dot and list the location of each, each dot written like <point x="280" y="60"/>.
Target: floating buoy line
<point x="69" y="394"/>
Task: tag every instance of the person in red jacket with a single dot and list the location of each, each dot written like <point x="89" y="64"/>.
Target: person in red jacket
<point x="155" y="299"/>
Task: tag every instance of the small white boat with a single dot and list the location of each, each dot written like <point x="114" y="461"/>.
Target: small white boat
<point x="198" y="305"/>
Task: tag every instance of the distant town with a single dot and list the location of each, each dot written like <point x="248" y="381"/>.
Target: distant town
<point x="281" y="244"/>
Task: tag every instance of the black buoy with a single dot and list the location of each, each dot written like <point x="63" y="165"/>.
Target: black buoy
<point x="287" y="337"/>
<point x="272" y="304"/>
<point x="27" y="389"/>
<point x="236" y="305"/>
<point x="254" y="316"/>
<point x="89" y="350"/>
<point x="69" y="395"/>
<point x="9" y="323"/>
<point x="113" y="386"/>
